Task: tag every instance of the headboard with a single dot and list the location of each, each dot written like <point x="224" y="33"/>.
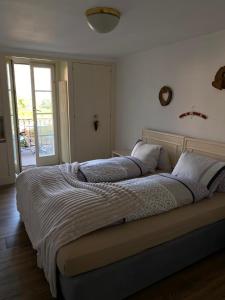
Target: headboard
<point x="176" y="144"/>
<point x="171" y="142"/>
<point x="212" y="149"/>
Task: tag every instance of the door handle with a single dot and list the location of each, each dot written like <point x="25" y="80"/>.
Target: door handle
<point x="96" y="122"/>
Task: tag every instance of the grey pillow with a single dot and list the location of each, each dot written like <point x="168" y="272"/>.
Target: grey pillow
<point x="221" y="186"/>
<point x="201" y="169"/>
<point x="147" y="153"/>
<point x="164" y="163"/>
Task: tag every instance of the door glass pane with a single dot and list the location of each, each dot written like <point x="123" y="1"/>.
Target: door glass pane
<point x="42" y="79"/>
<point x="44" y="111"/>
<point x="43" y="102"/>
<point x="45" y="134"/>
<point x="25" y="114"/>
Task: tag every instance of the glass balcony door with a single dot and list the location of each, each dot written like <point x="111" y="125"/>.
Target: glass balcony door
<point x="44" y="111"/>
<point x="33" y="109"/>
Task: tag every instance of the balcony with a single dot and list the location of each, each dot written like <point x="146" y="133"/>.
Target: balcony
<point x="27" y="140"/>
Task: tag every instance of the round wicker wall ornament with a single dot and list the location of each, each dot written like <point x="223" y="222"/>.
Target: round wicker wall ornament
<point x="165" y="95"/>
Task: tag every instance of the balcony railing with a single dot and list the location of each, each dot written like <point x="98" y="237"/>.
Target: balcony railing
<point x="26" y="132"/>
<point x="45" y="135"/>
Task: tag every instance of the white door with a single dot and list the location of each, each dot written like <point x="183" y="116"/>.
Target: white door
<point x="44" y="111"/>
<point x="13" y="117"/>
<point x="92" y="91"/>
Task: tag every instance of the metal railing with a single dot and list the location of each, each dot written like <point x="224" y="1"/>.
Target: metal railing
<point x="45" y="135"/>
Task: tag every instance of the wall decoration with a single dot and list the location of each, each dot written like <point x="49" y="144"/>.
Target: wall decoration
<point x="96" y="122"/>
<point x="165" y="95"/>
<point x="219" y="82"/>
<point x="193" y="113"/>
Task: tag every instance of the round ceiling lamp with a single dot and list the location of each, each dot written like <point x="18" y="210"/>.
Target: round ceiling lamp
<point x="102" y="19"/>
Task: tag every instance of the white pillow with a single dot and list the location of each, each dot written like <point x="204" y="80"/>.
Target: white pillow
<point x="147" y="153"/>
<point x="199" y="168"/>
<point x="164" y="163"/>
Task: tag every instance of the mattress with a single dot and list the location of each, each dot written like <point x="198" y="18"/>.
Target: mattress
<point x="112" y="244"/>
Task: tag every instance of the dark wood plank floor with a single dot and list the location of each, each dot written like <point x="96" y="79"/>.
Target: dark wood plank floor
<point x="20" y="279"/>
<point x="19" y="276"/>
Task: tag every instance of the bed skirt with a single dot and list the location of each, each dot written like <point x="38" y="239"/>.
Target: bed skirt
<point x="126" y="277"/>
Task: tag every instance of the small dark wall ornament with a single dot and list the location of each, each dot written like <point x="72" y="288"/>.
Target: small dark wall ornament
<point x="96" y="122"/>
<point x="165" y="95"/>
<point x="219" y="81"/>
<point x="193" y="113"/>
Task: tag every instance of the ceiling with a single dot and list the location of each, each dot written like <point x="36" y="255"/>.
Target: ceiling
<point x="60" y="26"/>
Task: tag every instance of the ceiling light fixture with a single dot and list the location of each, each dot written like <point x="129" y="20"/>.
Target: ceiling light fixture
<point x="102" y="19"/>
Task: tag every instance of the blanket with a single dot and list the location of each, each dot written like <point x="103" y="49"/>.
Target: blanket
<point x="112" y="169"/>
<point x="163" y="192"/>
<point x="57" y="208"/>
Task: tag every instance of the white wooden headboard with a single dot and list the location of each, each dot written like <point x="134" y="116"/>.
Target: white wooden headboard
<point x="171" y="142"/>
<point x="176" y="144"/>
<point x="212" y="149"/>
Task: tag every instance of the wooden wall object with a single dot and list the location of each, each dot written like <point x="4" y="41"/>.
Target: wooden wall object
<point x="219" y="82"/>
<point x="165" y="95"/>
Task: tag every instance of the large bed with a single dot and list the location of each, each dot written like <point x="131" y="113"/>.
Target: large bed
<point x="117" y="261"/>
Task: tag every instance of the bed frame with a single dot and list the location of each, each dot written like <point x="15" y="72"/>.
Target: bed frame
<point x="176" y="144"/>
<point x="127" y="276"/>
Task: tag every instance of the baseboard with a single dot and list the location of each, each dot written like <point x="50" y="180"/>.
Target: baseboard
<point x="7" y="180"/>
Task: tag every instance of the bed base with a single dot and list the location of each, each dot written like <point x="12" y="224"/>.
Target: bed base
<point x="126" y="277"/>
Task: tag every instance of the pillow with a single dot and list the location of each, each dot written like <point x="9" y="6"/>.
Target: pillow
<point x="221" y="186"/>
<point x="147" y="153"/>
<point x="164" y="163"/>
<point x="201" y="169"/>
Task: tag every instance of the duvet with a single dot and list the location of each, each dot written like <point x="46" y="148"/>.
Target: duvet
<point x="57" y="208"/>
<point x="112" y="169"/>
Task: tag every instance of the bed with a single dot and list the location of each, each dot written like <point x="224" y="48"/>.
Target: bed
<point x="123" y="263"/>
<point x="115" y="262"/>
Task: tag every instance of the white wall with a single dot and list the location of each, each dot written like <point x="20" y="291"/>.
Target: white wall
<point x="189" y="68"/>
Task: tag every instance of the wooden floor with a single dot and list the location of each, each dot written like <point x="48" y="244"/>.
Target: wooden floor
<point x="21" y="279"/>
